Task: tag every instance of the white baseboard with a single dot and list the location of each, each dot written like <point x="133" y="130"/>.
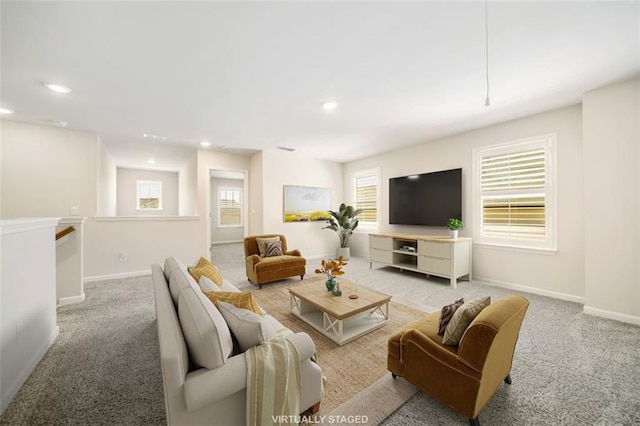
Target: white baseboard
<point x="116" y="276"/>
<point x="226" y="242"/>
<point x="10" y="391"/>
<point x="611" y="315"/>
<point x="534" y="290"/>
<point x="320" y="256"/>
<point x="71" y="300"/>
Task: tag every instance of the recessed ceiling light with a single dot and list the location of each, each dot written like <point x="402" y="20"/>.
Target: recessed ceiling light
<point x="151" y="161"/>
<point x="329" y="106"/>
<point x="205" y="144"/>
<point x="57" y="87"/>
<point x="60" y="123"/>
<point x="5" y="111"/>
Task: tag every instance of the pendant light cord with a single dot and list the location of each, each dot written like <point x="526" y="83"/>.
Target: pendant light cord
<point x="486" y="39"/>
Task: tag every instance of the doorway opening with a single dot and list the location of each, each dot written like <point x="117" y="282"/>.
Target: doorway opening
<point x="228" y="219"/>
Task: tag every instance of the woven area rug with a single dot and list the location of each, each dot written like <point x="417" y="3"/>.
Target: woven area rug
<point x="354" y="367"/>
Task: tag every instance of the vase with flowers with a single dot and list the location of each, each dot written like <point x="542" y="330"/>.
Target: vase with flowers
<point x="332" y="269"/>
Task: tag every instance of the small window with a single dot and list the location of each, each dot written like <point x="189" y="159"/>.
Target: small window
<point x="229" y="207"/>
<point x="515" y="194"/>
<point x="366" y="196"/>
<point x="149" y="195"/>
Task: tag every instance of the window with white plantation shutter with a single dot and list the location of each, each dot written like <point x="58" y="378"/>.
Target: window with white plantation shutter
<point x="149" y="195"/>
<point x="366" y="196"/>
<point x="229" y="207"/>
<point x="515" y="201"/>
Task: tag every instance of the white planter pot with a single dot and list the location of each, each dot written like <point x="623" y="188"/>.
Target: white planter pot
<point x="344" y="252"/>
<point x="454" y="233"/>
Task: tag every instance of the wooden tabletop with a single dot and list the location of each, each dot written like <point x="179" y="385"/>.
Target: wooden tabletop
<point x="315" y="293"/>
<point x="412" y="237"/>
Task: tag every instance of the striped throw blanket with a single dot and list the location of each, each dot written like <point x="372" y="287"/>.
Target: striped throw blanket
<point x="273" y="381"/>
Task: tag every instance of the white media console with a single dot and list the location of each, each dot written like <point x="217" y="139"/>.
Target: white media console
<point x="432" y="255"/>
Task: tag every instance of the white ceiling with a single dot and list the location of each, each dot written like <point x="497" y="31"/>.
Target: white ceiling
<point x="251" y="76"/>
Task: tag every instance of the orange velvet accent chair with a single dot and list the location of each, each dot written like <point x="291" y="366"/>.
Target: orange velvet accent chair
<point x="463" y="377"/>
<point x="261" y="270"/>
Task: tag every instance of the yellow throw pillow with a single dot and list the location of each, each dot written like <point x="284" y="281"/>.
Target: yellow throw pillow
<point x="206" y="268"/>
<point x="244" y="300"/>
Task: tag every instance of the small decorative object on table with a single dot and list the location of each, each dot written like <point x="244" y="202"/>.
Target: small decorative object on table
<point x="454" y="225"/>
<point x="331" y="284"/>
<point x="353" y="291"/>
<point x="332" y="269"/>
<point x="336" y="291"/>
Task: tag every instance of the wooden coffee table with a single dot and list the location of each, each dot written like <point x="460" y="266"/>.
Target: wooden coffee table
<point x="339" y="318"/>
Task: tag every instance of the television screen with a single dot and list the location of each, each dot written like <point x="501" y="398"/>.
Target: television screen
<point x="428" y="199"/>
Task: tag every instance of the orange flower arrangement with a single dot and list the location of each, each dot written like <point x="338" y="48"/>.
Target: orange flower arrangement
<point x="332" y="268"/>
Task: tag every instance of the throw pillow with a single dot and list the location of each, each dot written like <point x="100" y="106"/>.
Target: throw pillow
<point x="273" y="248"/>
<point x="206" y="268"/>
<point x="205" y="330"/>
<point x="243" y="300"/>
<point x="262" y="243"/>
<point x="446" y="313"/>
<point x="461" y="319"/>
<point x="227" y="286"/>
<point x="249" y="328"/>
<point x="206" y="284"/>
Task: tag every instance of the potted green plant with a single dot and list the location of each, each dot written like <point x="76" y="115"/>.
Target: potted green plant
<point x="454" y="225"/>
<point x="343" y="222"/>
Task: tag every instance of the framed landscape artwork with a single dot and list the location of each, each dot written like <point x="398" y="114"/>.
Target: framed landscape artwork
<point x="306" y="203"/>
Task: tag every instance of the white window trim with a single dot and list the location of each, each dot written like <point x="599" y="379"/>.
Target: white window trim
<point x="219" y="189"/>
<point x="362" y="226"/>
<point x="138" y="183"/>
<point x="549" y="142"/>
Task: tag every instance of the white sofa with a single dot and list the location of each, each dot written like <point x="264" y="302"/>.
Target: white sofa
<point x="216" y="395"/>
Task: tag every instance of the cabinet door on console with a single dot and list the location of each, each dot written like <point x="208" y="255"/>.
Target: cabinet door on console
<point x="380" y="249"/>
<point x="435" y="266"/>
<point x="434" y="249"/>
<point x="382" y="243"/>
<point x="382" y="256"/>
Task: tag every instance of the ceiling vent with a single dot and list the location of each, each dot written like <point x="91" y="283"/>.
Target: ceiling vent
<point x="284" y="148"/>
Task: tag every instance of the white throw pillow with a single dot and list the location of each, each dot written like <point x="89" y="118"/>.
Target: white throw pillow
<point x="249" y="328"/>
<point x="205" y="330"/>
<point x="227" y="286"/>
<point x="207" y="285"/>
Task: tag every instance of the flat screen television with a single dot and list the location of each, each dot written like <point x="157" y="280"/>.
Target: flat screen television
<point x="428" y="199"/>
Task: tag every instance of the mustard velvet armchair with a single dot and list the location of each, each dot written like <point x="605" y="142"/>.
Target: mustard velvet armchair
<point x="261" y="270"/>
<point x="463" y="377"/>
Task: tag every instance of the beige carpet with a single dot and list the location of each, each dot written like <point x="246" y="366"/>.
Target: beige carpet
<point x="351" y="369"/>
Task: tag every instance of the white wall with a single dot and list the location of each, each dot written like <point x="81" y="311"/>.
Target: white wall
<point x="612" y="194"/>
<point x="256" y="218"/>
<point x="46" y="171"/>
<point x="188" y="188"/>
<point x="144" y="241"/>
<point x="107" y="181"/>
<point x="58" y="169"/>
<point x="70" y="262"/>
<point x="127" y="192"/>
<point x="28" y="299"/>
<point x="224" y="234"/>
<point x="281" y="168"/>
<point x="560" y="274"/>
